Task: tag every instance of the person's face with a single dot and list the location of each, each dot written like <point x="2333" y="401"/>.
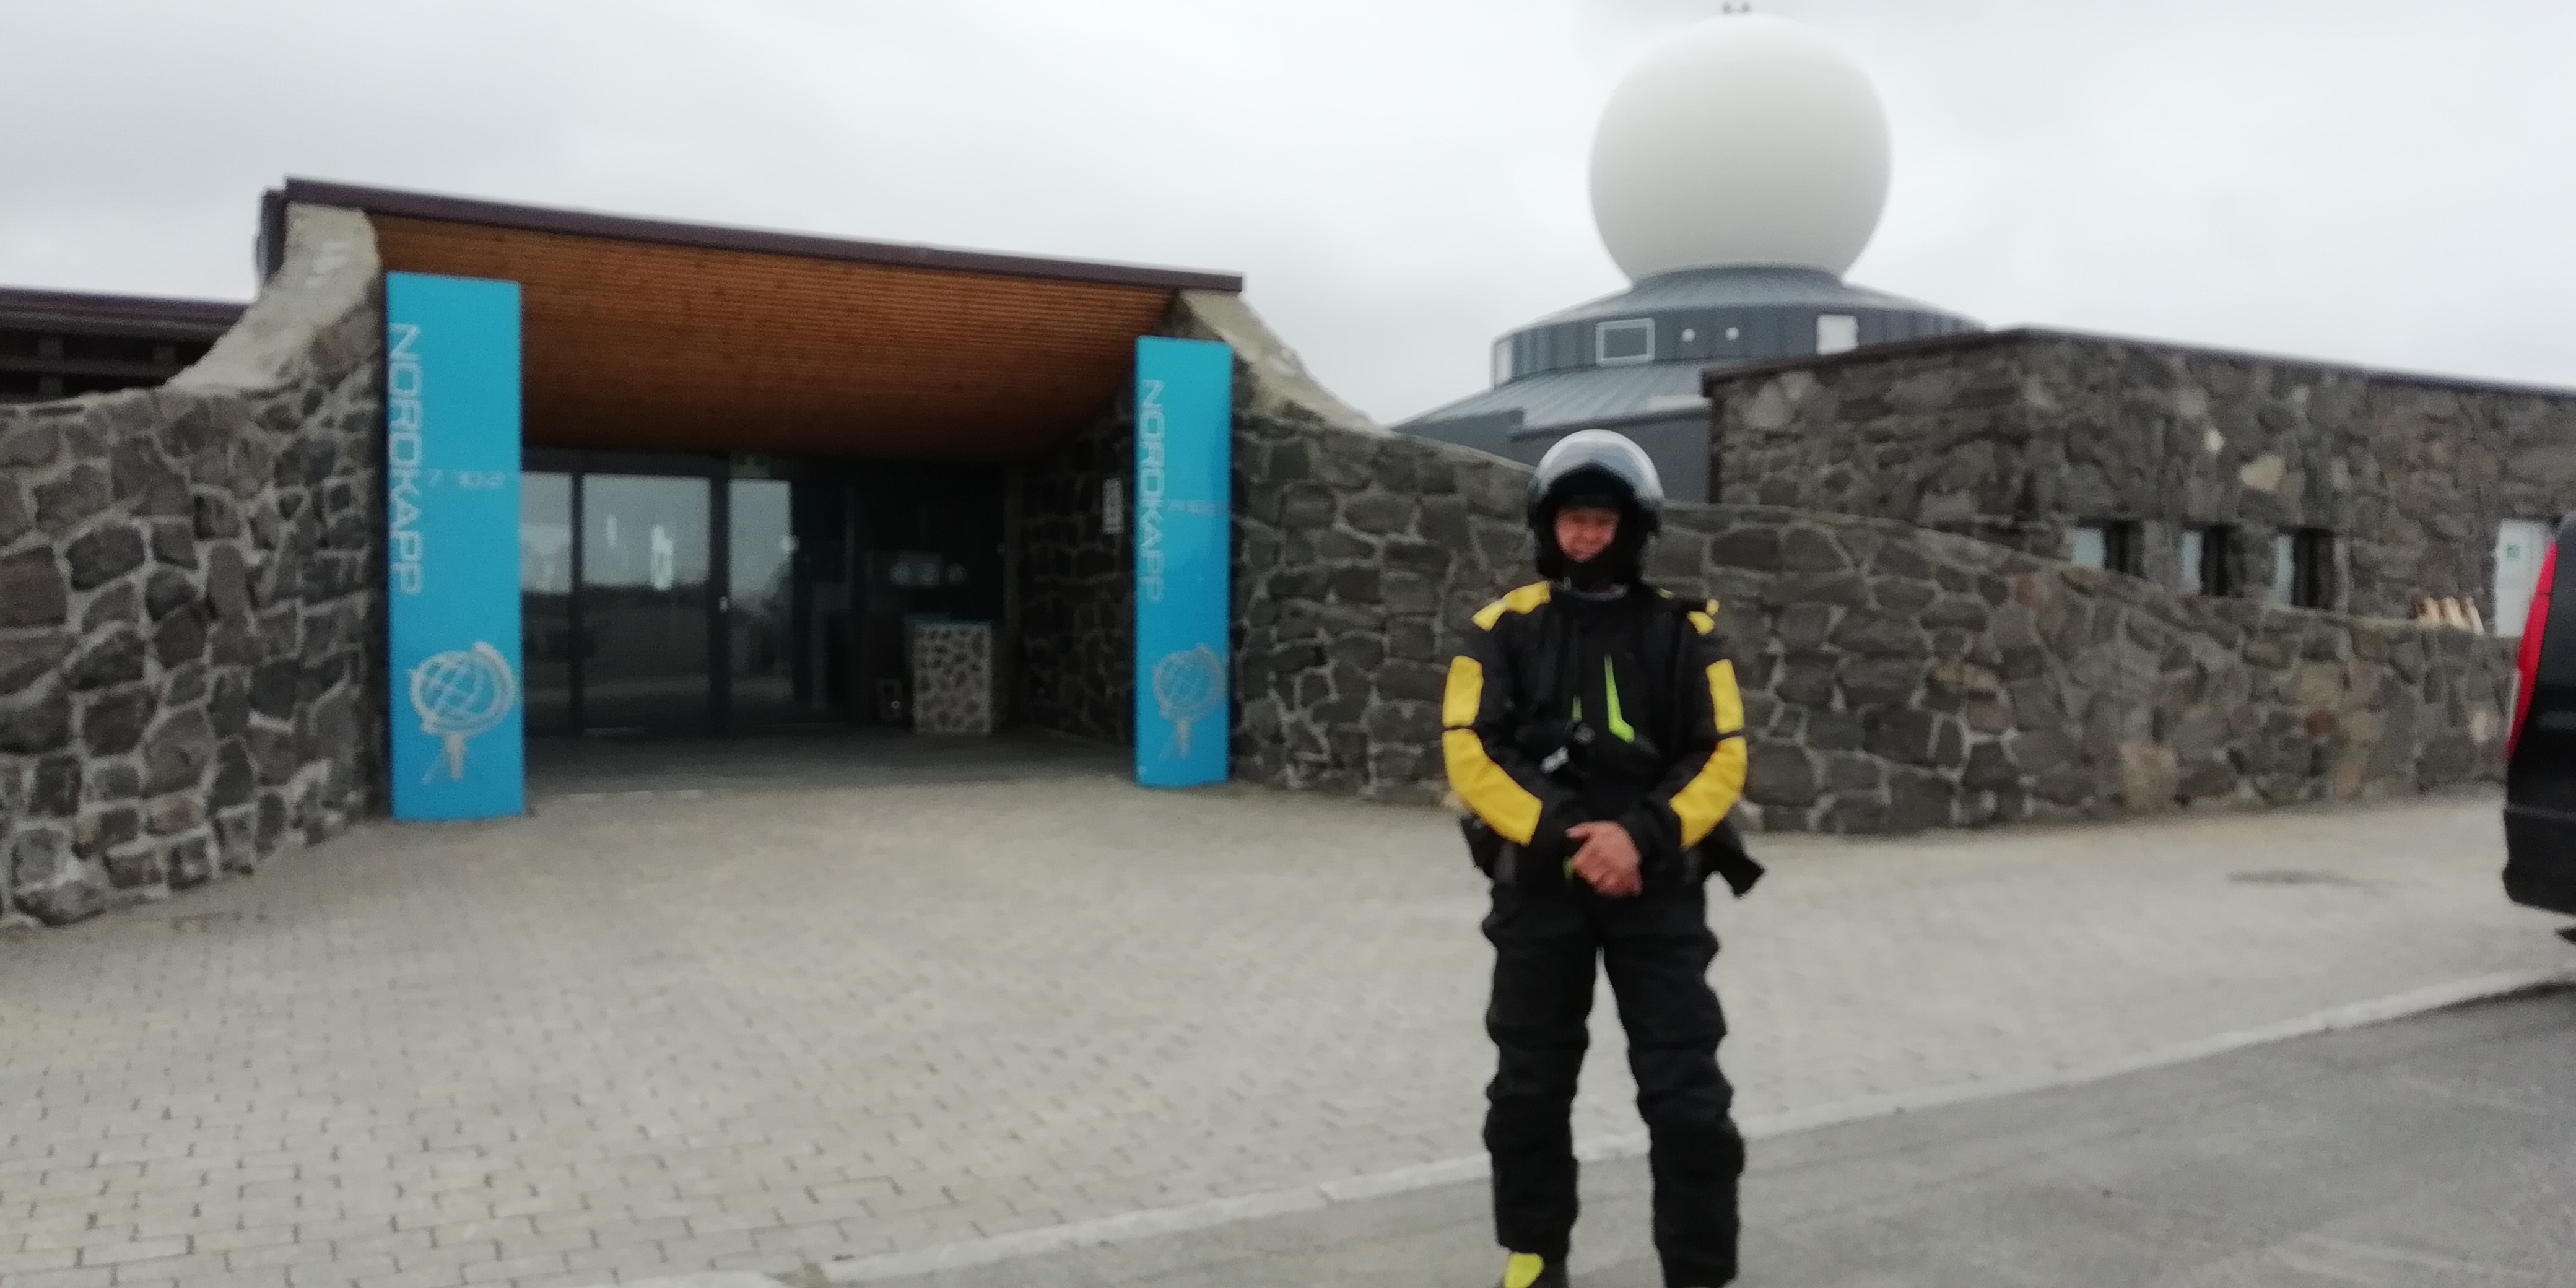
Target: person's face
<point x="1584" y="531"/>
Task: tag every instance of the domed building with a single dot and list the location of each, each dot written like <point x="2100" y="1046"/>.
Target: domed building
<point x="1736" y="175"/>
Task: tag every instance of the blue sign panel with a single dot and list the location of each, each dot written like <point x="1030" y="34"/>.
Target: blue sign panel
<point x="452" y="546"/>
<point x="1184" y="530"/>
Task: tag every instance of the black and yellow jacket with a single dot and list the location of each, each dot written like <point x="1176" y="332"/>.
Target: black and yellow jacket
<point x="1662" y="752"/>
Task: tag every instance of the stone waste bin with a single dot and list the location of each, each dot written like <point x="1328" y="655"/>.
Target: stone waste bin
<point x="952" y="677"/>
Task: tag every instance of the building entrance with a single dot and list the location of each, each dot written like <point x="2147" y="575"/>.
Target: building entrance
<point x="685" y="594"/>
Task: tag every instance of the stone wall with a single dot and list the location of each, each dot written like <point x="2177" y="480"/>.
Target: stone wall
<point x="2012" y="436"/>
<point x="1895" y="678"/>
<point x="1898" y="679"/>
<point x="1078" y="637"/>
<point x="1357" y="559"/>
<point x="1350" y="573"/>
<point x="1076" y="669"/>
<point x="189" y="602"/>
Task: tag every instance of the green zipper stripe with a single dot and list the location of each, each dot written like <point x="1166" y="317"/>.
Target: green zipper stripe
<point x="1610" y="685"/>
<point x="1619" y="725"/>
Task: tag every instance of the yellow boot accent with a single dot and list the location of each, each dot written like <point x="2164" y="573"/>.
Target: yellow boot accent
<point x="1523" y="1269"/>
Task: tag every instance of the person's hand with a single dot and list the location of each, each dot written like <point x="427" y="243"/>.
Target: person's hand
<point x="1608" y="860"/>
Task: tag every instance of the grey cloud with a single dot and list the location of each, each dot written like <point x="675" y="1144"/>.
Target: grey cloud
<point x="1400" y="180"/>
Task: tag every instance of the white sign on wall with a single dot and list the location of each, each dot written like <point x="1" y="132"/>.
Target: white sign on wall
<point x="2519" y="544"/>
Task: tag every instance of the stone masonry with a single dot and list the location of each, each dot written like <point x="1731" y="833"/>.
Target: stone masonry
<point x="1078" y="607"/>
<point x="952" y="678"/>
<point x="190" y="672"/>
<point x="189" y="602"/>
<point x="1896" y="678"/>
<point x="2013" y="436"/>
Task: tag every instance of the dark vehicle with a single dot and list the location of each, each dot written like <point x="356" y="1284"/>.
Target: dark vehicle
<point x="2540" y="749"/>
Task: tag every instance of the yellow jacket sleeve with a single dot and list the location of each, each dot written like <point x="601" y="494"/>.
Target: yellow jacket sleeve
<point x="1487" y="770"/>
<point x="1708" y="775"/>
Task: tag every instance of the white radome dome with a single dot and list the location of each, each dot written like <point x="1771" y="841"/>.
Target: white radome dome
<point x="1746" y="139"/>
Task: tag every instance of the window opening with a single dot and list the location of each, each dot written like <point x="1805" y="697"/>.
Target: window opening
<point x="2200" y="565"/>
<point x="1620" y="343"/>
<point x="1837" y="332"/>
<point x="2108" y="544"/>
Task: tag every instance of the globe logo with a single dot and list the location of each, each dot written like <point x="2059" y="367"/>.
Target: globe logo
<point x="459" y="694"/>
<point x="1189" y="686"/>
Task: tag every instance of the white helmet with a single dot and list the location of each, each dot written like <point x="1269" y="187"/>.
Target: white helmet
<point x="1591" y="464"/>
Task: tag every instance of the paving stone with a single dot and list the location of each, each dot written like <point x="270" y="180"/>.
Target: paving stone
<point x="965" y="1016"/>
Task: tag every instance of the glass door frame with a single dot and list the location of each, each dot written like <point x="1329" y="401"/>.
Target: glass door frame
<point x="580" y="463"/>
<point x="872" y="529"/>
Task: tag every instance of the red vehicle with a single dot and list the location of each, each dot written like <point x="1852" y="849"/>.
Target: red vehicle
<point x="2540" y="749"/>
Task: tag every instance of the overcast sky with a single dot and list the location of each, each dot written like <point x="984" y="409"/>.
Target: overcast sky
<point x="1399" y="180"/>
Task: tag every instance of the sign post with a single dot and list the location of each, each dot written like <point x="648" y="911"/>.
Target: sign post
<point x="452" y="546"/>
<point x="1184" y="549"/>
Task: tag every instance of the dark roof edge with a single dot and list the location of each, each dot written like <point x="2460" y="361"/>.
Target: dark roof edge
<point x="1712" y="377"/>
<point x="213" y="317"/>
<point x="583" y="223"/>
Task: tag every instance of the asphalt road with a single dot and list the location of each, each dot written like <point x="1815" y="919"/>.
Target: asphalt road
<point x="2429" y="1152"/>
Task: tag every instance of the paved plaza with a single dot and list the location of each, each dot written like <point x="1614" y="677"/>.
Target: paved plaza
<point x="2428" y="1152"/>
<point x="641" y="1036"/>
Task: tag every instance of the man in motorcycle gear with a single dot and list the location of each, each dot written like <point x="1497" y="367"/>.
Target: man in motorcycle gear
<point x="1593" y="730"/>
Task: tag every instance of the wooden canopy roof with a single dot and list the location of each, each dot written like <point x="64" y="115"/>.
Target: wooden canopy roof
<point x="647" y="336"/>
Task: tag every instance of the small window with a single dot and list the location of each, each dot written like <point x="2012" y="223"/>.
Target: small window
<point x="1503" y="361"/>
<point x="1837" y="332"/>
<point x="2316" y="584"/>
<point x="2200" y="562"/>
<point x="2090" y="546"/>
<point x="2110" y="545"/>
<point x="2302" y="569"/>
<point x="1619" y="343"/>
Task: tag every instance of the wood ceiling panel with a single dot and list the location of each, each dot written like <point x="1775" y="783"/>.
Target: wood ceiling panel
<point x="646" y="346"/>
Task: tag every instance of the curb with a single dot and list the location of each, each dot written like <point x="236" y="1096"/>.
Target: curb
<point x="1153" y="1222"/>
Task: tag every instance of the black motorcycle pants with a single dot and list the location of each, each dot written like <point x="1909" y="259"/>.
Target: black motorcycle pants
<point x="1656" y="949"/>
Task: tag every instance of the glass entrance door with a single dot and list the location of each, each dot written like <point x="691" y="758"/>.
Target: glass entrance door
<point x="661" y="596"/>
<point x="760" y="608"/>
<point x="785" y="604"/>
<point x="647" y="602"/>
<point x="545" y="599"/>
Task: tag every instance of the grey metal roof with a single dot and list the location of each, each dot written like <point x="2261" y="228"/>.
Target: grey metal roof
<point x="1732" y="288"/>
<point x="1719" y="316"/>
<point x="1565" y="369"/>
<point x="1581" y="395"/>
<point x="1564" y="376"/>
